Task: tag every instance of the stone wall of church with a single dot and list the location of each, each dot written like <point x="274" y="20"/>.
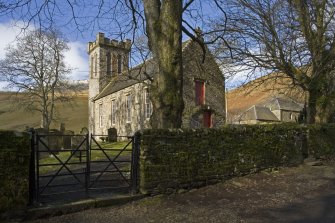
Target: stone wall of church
<point x="210" y="72"/>
<point x="124" y="126"/>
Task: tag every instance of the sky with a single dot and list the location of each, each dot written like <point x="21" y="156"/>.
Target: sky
<point x="76" y="56"/>
<point x="79" y="36"/>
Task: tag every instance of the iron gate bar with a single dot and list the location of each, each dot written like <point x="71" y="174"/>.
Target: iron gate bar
<point x="60" y="161"/>
<point x="58" y="164"/>
<point x="111" y="161"/>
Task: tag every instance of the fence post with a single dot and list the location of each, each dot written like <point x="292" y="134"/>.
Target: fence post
<point x="32" y="176"/>
<point x="135" y="162"/>
<point x="87" y="174"/>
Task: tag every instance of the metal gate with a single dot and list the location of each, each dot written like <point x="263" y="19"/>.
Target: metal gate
<point x="72" y="167"/>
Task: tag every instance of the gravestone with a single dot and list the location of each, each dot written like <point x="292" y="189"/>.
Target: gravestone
<point x="67" y="138"/>
<point x="112" y="135"/>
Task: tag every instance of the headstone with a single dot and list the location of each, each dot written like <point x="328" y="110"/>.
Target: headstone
<point x="67" y="138"/>
<point x="62" y="128"/>
<point x="112" y="135"/>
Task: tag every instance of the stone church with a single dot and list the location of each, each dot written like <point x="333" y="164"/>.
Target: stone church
<point x="119" y="96"/>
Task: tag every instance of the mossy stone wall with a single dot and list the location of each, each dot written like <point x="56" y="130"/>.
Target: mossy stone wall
<point x="14" y="169"/>
<point x="321" y="140"/>
<point x="184" y="159"/>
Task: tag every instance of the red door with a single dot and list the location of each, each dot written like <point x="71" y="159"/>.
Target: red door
<point x="208" y="119"/>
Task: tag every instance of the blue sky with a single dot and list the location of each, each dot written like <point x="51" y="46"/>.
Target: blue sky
<point x="84" y="29"/>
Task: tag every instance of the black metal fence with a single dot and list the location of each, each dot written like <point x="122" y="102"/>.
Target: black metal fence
<point x="71" y="167"/>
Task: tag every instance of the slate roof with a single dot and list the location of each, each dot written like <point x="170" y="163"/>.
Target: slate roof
<point x="259" y="113"/>
<point x="283" y="104"/>
<point x="136" y="75"/>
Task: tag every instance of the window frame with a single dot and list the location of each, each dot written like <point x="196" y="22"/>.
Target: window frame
<point x="113" y="112"/>
<point x="100" y="115"/>
<point x="128" y="108"/>
<point x="119" y="64"/>
<point x="147" y="104"/>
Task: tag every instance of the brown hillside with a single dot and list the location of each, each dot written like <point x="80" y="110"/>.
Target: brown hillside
<point x="260" y="90"/>
<point x="74" y="115"/>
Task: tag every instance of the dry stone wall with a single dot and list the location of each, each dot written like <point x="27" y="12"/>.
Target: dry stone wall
<point x="182" y="159"/>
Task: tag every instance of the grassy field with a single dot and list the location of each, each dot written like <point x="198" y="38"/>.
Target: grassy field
<point x="74" y="115"/>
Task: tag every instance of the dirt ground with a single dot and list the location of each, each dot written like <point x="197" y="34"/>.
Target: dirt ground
<point x="296" y="194"/>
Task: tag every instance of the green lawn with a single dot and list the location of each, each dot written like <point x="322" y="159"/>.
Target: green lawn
<point x="96" y="154"/>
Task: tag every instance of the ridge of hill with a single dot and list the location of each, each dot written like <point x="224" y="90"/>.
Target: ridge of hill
<point x="74" y="115"/>
<point x="260" y="90"/>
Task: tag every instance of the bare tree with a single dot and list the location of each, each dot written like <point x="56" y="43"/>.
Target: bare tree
<point x="162" y="21"/>
<point x="295" y="38"/>
<point x="35" y="67"/>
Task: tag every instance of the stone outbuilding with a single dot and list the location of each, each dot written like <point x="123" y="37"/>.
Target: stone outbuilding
<point x="274" y="110"/>
<point x="119" y="97"/>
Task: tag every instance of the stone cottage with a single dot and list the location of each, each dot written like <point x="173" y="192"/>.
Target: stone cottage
<point x="272" y="111"/>
<point x="119" y="97"/>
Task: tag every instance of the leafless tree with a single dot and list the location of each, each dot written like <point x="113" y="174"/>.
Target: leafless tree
<point x="162" y="21"/>
<point x="35" y="67"/>
<point x="291" y="37"/>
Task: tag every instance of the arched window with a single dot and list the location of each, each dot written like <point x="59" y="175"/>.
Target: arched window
<point x="92" y="65"/>
<point x="109" y="64"/>
<point x="95" y="65"/>
<point x="119" y="64"/>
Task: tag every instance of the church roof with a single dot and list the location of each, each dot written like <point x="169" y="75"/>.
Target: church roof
<point x="259" y="113"/>
<point x="135" y="75"/>
<point x="283" y="104"/>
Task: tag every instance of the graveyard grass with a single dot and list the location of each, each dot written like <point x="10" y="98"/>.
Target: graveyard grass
<point x="96" y="154"/>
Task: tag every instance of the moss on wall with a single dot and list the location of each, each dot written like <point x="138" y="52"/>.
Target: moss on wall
<point x="174" y="159"/>
<point x="321" y="140"/>
<point x="14" y="169"/>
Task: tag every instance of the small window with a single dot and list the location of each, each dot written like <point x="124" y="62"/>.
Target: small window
<point x="119" y="64"/>
<point x="208" y="119"/>
<point x="100" y="115"/>
<point x="199" y="92"/>
<point x="128" y="108"/>
<point x="291" y="116"/>
<point x="147" y="104"/>
<point x="109" y="64"/>
<point x="113" y="112"/>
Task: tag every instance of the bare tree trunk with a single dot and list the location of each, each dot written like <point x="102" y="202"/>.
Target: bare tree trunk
<point x="165" y="41"/>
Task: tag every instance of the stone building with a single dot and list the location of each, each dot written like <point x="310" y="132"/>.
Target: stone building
<point x="273" y="110"/>
<point x="119" y="97"/>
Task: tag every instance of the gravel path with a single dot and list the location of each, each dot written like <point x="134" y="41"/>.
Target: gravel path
<point x="296" y="194"/>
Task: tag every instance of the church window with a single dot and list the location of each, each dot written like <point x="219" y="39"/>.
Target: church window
<point x="128" y="108"/>
<point x="109" y="63"/>
<point x="147" y="104"/>
<point x="113" y="112"/>
<point x="119" y="64"/>
<point x="100" y="115"/>
<point x="95" y="65"/>
<point x="92" y="65"/>
<point x="199" y="92"/>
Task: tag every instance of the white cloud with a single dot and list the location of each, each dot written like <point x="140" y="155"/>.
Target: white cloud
<point x="9" y="32"/>
<point x="77" y="58"/>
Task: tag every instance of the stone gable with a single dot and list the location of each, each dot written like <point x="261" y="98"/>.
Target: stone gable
<point x="130" y="93"/>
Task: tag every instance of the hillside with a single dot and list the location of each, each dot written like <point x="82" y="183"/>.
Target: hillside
<point x="74" y="115"/>
<point x="260" y="90"/>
